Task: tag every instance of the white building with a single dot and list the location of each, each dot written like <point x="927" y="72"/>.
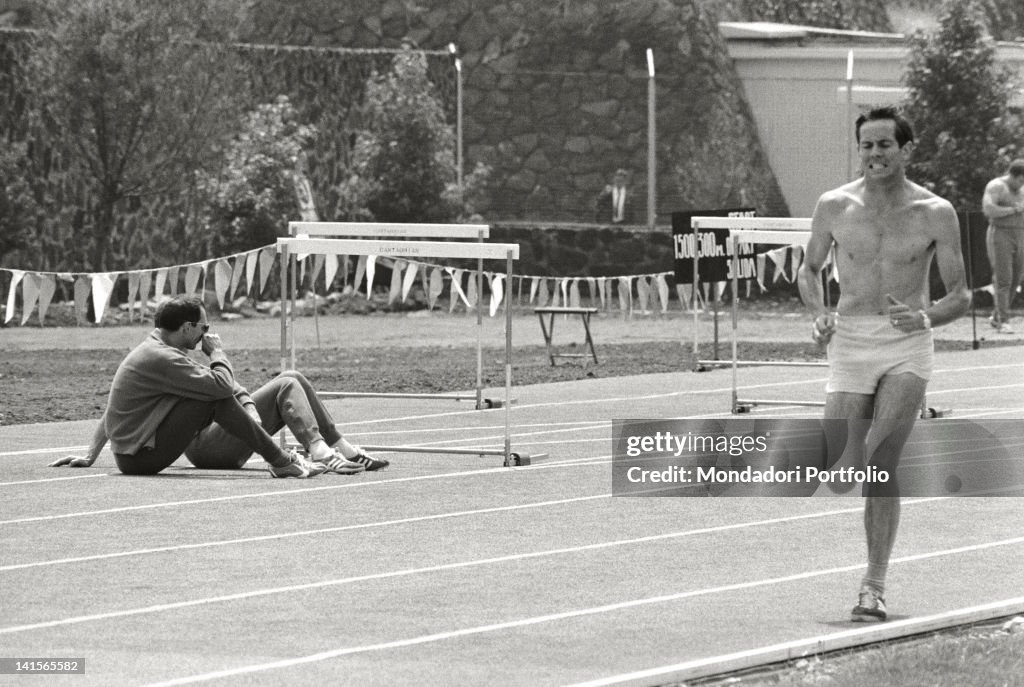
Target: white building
<point x="796" y="80"/>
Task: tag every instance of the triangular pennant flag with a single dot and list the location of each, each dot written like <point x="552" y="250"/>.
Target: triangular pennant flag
<point x="371" y="270"/>
<point x="102" y="288"/>
<point x="161" y="280"/>
<point x="471" y="291"/>
<point x="684" y="292"/>
<point x="145" y="281"/>
<point x="591" y="286"/>
<point x="47" y="287"/>
<point x="625" y="294"/>
<point x="662" y="284"/>
<point x="797" y="257"/>
<point x="533" y="289"/>
<point x="29" y="295"/>
<point x="15" y="278"/>
<point x="221" y="281"/>
<point x="408" y="279"/>
<point x="330" y="271"/>
<point x="396" y="281"/>
<point x="266" y="260"/>
<point x="318" y="266"/>
<point x="456" y="276"/>
<point x="83" y="286"/>
<point x="436" y="286"/>
<point x="762" y="263"/>
<point x="237" y="270"/>
<point x="778" y="258"/>
<point x="602" y="291"/>
<point x="133" y="292"/>
<point x="559" y="296"/>
<point x="497" y="292"/>
<point x="542" y="293"/>
<point x="192" y="276"/>
<point x="643" y="292"/>
<point x="574" y="294"/>
<point x="360" y="272"/>
<point x="251" y="259"/>
<point x="172" y="279"/>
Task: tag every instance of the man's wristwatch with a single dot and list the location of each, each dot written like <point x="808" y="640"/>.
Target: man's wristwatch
<point x="926" y="321"/>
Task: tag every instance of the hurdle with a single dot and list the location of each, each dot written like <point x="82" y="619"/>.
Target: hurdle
<point x="771" y="230"/>
<point x="382" y="230"/>
<point x="290" y="247"/>
<point x="774" y="231"/>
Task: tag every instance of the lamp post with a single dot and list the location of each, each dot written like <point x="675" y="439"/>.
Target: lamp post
<point x="454" y="51"/>
<point x="651" y="141"/>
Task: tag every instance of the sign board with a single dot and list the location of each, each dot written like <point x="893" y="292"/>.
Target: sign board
<point x="714" y="250"/>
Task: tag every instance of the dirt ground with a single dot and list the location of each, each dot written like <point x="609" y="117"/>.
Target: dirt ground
<point x="63" y="373"/>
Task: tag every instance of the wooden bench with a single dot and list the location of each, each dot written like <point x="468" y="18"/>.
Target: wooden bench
<point x="548" y="330"/>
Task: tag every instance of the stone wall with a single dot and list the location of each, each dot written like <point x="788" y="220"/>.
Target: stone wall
<point x="556" y="96"/>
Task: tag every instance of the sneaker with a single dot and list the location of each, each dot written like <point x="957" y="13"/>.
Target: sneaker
<point x="341" y="465"/>
<point x="369" y="462"/>
<point x="295" y="467"/>
<point x="870" y="607"/>
<point x="1004" y="329"/>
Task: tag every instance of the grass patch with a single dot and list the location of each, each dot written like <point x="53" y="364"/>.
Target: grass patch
<point x="979" y="657"/>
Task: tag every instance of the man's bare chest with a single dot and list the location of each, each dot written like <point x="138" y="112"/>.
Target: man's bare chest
<point x="889" y="238"/>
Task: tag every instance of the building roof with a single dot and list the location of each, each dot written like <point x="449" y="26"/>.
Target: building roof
<point x="772" y="31"/>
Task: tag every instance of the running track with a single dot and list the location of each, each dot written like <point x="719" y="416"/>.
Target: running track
<point x="449" y="570"/>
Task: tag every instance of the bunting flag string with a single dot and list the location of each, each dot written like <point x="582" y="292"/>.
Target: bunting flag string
<point x="651" y="291"/>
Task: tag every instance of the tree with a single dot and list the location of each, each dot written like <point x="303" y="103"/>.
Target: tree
<point x="404" y="157"/>
<point x="959" y="102"/>
<point x="135" y="95"/>
<point x="251" y="201"/>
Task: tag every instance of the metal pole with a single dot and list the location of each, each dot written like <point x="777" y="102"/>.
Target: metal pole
<point x="849" y="116"/>
<point x="508" y="360"/>
<point x="458" y="118"/>
<point x="652" y="180"/>
<point x="283" y="257"/>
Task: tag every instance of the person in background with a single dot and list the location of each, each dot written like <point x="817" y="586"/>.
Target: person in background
<point x="1003" y="205"/>
<point x="615" y="204"/>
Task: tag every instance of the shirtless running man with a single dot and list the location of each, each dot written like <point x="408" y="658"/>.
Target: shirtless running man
<point x="886" y="230"/>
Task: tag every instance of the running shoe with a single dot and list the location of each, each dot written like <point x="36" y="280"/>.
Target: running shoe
<point x="295" y="467"/>
<point x="870" y="607"/>
<point x="1004" y="329"/>
<point x="369" y="462"/>
<point x="341" y="465"/>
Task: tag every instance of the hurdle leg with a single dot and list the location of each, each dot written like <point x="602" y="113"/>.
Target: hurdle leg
<point x="548" y="333"/>
<point x="590" y="339"/>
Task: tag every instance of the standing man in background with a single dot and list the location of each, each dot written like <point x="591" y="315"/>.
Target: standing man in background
<point x="1003" y="204"/>
<point x="615" y="204"/>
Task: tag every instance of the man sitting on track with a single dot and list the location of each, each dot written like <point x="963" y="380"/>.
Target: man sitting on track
<point x="886" y="230"/>
<point x="163" y="403"/>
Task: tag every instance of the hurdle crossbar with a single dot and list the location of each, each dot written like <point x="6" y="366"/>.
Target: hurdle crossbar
<point x="384" y="230"/>
<point x="290" y="247"/>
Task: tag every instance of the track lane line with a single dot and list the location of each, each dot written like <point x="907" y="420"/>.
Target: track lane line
<point x="156" y="608"/>
<point x="298" y="491"/>
<point x="565" y="615"/>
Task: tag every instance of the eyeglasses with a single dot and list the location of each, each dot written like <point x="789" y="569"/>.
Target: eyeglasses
<point x="205" y="327"/>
